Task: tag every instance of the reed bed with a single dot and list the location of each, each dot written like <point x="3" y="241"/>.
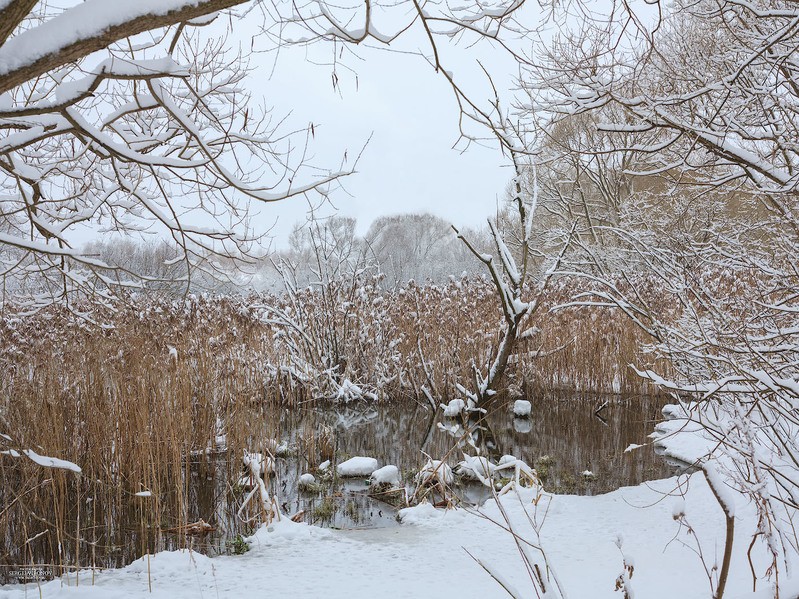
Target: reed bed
<point x="145" y="392"/>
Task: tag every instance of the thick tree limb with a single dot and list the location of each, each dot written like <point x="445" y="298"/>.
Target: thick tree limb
<point x="12" y="15"/>
<point x="16" y="70"/>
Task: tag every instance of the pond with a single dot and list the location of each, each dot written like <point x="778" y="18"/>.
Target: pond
<point x="565" y="439"/>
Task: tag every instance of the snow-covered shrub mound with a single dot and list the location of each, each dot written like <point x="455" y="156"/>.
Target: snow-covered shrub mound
<point x="476" y="468"/>
<point x="348" y="391"/>
<point x="307" y="480"/>
<point x="276" y="448"/>
<point x="433" y="472"/>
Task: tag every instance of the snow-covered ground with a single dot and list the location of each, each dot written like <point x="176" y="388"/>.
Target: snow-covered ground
<point x="426" y="556"/>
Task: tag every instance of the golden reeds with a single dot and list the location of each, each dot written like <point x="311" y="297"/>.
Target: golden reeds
<point x="165" y="383"/>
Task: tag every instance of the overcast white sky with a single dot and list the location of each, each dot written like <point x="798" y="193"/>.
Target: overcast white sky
<point x="398" y="100"/>
<point x="410" y="112"/>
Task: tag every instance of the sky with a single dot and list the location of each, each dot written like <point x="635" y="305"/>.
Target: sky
<point x="396" y="101"/>
<point x="391" y="98"/>
<point x="409" y="116"/>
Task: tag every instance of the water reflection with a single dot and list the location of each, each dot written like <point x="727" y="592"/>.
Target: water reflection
<point x="565" y="429"/>
<point x="563" y="439"/>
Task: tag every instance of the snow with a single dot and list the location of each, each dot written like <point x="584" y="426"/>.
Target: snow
<point x="306" y="480"/>
<point x="349" y="391"/>
<point x="680" y="437"/>
<point x="454" y="408"/>
<point x="477" y="468"/>
<point x="357" y="466"/>
<point x="284" y="531"/>
<point x="143" y="494"/>
<point x="678" y="509"/>
<point x="386" y="475"/>
<point x="84" y="20"/>
<point x="37" y="246"/>
<point x="49" y="462"/>
<point x="522" y="408"/>
<point x="426" y="556"/>
<point x="724" y="493"/>
<point x="435" y="471"/>
<point x="257" y="463"/>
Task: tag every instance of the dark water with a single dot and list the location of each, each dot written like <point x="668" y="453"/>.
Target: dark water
<point x="562" y="439"/>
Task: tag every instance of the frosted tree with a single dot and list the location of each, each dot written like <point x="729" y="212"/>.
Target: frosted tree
<point x="133" y="116"/>
<point x="415" y="246"/>
<point x="705" y="95"/>
<point x="125" y="116"/>
<point x="520" y="290"/>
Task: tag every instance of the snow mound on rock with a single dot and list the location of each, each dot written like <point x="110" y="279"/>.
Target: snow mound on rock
<point x="357" y="466"/>
<point x="389" y="475"/>
<point x="522" y="408"/>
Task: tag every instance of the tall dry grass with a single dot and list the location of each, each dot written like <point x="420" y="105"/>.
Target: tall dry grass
<point x="131" y="411"/>
<point x="135" y="401"/>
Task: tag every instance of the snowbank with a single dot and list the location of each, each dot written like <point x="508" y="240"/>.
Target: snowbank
<point x="285" y="531"/>
<point x="681" y="436"/>
<point x="426" y="556"/>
